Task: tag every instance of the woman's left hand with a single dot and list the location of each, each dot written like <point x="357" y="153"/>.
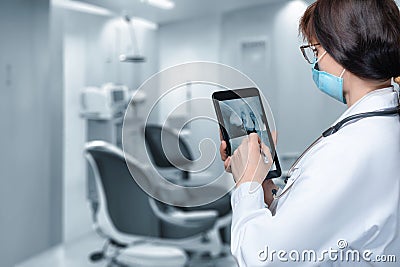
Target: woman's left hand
<point x="247" y="162"/>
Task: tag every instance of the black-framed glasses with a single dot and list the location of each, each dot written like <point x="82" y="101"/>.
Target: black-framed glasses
<point x="310" y="52"/>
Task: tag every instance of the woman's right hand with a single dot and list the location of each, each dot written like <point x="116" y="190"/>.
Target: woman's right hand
<point x="267" y="185"/>
<point x="227" y="159"/>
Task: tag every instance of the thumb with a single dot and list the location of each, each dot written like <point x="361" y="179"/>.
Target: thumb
<point x="267" y="152"/>
<point x="253" y="138"/>
<point x="227" y="165"/>
<point x="275" y="137"/>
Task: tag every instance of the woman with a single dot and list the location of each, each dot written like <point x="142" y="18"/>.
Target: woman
<point x="341" y="204"/>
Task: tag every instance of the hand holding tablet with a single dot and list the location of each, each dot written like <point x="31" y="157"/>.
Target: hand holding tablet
<point x="240" y="113"/>
<point x="247" y="162"/>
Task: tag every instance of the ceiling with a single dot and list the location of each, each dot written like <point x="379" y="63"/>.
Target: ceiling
<point x="184" y="9"/>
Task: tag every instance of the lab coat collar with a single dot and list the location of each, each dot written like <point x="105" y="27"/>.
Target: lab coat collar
<point x="375" y="100"/>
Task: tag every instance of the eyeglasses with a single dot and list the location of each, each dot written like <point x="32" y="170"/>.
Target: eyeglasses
<point x="310" y="52"/>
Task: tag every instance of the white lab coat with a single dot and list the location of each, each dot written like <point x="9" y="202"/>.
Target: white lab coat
<point x="347" y="187"/>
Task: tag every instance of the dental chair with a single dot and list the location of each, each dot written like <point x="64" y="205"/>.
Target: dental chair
<point x="136" y="227"/>
<point x="158" y="140"/>
<point x="158" y="150"/>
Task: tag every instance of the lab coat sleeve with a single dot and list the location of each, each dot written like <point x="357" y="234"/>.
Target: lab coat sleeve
<point x="245" y="200"/>
<point x="250" y="196"/>
<point x="320" y="210"/>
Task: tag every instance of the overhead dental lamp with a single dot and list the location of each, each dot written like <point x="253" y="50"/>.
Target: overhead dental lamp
<point x="135" y="57"/>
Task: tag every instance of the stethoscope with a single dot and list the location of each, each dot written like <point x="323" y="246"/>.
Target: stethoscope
<point x="332" y="130"/>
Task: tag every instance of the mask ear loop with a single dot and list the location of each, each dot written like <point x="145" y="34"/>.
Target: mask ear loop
<point x="318" y="59"/>
<point x="341" y="75"/>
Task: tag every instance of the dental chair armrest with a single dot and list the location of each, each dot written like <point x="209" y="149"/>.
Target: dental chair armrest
<point x="178" y="217"/>
<point x="193" y="218"/>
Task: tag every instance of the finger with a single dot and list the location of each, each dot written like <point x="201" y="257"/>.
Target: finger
<point x="222" y="150"/>
<point x="220" y="135"/>
<point x="274" y="137"/>
<point x="254" y="138"/>
<point x="227" y="164"/>
<point x="266" y="151"/>
<point x="236" y="152"/>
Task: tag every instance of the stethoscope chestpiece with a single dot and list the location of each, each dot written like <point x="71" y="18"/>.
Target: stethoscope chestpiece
<point x="274" y="192"/>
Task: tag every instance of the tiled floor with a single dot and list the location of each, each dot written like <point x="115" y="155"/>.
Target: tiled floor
<point x="75" y="254"/>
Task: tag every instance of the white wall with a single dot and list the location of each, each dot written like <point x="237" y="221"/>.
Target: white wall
<point x="76" y="212"/>
<point x="92" y="45"/>
<point x="185" y="41"/>
<point x="193" y="40"/>
<point x="29" y="212"/>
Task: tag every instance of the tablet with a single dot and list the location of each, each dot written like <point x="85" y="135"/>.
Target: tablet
<point x="239" y="113"/>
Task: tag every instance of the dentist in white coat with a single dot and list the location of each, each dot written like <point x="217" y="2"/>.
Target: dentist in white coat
<point x="341" y="204"/>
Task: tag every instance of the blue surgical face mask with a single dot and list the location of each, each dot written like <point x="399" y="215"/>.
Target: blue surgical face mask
<point x="328" y="83"/>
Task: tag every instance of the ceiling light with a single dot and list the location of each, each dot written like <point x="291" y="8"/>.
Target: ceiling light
<point x="164" y="4"/>
<point x="83" y="7"/>
<point x="144" y="23"/>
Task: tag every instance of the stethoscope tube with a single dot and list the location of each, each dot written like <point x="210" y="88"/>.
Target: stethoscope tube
<point x="378" y="113"/>
<point x="332" y="130"/>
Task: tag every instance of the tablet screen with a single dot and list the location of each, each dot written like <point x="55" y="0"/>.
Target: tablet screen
<point x="241" y="117"/>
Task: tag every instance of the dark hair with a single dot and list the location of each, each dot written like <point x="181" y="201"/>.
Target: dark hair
<point x="361" y="35"/>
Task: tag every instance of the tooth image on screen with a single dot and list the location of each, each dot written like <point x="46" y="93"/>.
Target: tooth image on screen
<point x="235" y="120"/>
<point x="242" y="117"/>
